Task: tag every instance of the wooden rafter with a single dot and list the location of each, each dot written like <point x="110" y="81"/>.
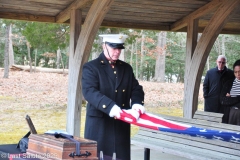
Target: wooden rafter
<point x="65" y="14"/>
<point x="196" y="14"/>
<point x="27" y="17"/>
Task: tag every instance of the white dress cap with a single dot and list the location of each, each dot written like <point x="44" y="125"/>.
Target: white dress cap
<point x="113" y="38"/>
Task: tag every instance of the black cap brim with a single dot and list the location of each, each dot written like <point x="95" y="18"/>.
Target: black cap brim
<point x="116" y="45"/>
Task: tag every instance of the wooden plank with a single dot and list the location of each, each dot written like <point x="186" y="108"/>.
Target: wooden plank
<point x="150" y="134"/>
<point x="26" y="5"/>
<point x="181" y="149"/>
<point x="155" y="6"/>
<point x="198" y="142"/>
<point x="61" y="2"/>
<point x="30" y="124"/>
<point x="27" y="17"/>
<point x="208" y="118"/>
<point x="197" y="139"/>
<point x="212" y="114"/>
<point x="141" y="25"/>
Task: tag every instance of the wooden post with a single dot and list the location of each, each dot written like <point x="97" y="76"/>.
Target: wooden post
<point x="74" y="103"/>
<point x="83" y="48"/>
<point x="192" y="34"/>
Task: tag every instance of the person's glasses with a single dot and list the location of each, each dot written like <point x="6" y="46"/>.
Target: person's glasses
<point x="221" y="62"/>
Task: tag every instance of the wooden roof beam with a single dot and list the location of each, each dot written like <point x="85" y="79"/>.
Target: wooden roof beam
<point x="27" y="17"/>
<point x="196" y="14"/>
<point x="65" y="14"/>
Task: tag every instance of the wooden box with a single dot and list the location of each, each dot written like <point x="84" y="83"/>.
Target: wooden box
<point x="46" y="146"/>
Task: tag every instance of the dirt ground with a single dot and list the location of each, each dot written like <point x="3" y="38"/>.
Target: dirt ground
<point x="43" y="96"/>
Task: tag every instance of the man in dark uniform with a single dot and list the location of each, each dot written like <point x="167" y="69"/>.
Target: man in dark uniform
<point x="109" y="85"/>
<point x="213" y="83"/>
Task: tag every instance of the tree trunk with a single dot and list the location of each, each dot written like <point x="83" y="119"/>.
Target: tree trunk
<point x="160" y="62"/>
<point x="132" y="50"/>
<point x="62" y="62"/>
<point x="29" y="56"/>
<point x="58" y="58"/>
<point x="6" y="55"/>
<point x="35" y="64"/>
<point x="39" y="69"/>
<point x="136" y="62"/>
<point x="208" y="66"/>
<point x="122" y="55"/>
<point x="142" y="56"/>
<point x="96" y="53"/>
<point x="223" y="45"/>
<point x="11" y="55"/>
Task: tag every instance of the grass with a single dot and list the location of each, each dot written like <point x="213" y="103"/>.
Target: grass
<point x="13" y="128"/>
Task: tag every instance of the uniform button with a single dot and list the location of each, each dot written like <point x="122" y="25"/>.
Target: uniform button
<point x="122" y="104"/>
<point x="124" y="90"/>
<point x="115" y="90"/>
<point x="142" y="102"/>
<point x="104" y="106"/>
<point x="115" y="72"/>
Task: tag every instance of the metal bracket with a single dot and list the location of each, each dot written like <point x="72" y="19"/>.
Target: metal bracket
<point x="73" y="154"/>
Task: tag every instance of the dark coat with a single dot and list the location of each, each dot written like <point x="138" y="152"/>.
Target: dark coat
<point x="102" y="89"/>
<point x="228" y="102"/>
<point x="212" y="87"/>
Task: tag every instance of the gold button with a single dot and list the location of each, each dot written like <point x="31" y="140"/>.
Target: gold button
<point x="122" y="104"/>
<point x="124" y="90"/>
<point x="142" y="102"/>
<point x="115" y="72"/>
<point x="112" y="66"/>
<point x="102" y="61"/>
<point x="115" y="90"/>
<point x="104" y="106"/>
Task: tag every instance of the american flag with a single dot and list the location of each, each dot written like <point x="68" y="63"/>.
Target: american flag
<point x="154" y="122"/>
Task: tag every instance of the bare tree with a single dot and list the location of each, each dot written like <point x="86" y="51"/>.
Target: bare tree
<point x="161" y="53"/>
<point x="6" y="54"/>
<point x="136" y="61"/>
<point x="11" y="55"/>
<point x="29" y="56"/>
<point x="58" y="58"/>
<point x="142" y="55"/>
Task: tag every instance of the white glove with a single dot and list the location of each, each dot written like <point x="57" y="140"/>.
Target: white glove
<point x="133" y="113"/>
<point x="138" y="107"/>
<point x="115" y="111"/>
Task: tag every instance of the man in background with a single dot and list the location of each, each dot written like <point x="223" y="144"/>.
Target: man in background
<point x="213" y="83"/>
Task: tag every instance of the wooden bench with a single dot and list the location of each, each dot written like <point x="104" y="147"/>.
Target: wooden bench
<point x="208" y="116"/>
<point x="190" y="147"/>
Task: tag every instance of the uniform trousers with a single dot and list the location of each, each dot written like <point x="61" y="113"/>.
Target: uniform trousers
<point x="234" y="116"/>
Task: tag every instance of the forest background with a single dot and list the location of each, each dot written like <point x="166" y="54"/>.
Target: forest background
<point x="157" y="58"/>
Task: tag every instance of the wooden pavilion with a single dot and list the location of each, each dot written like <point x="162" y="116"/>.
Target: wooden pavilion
<point x="211" y="17"/>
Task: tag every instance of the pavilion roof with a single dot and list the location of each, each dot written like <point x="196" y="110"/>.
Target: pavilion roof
<point x="165" y="15"/>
